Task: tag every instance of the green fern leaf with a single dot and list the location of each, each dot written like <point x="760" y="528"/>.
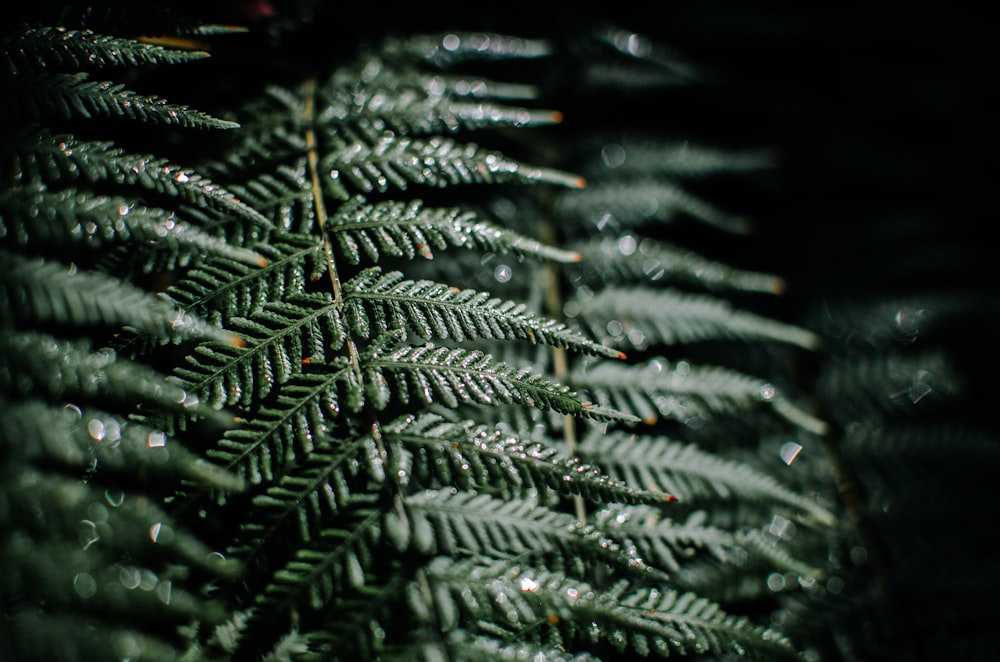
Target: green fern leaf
<point x="471" y="456"/>
<point x="396" y="161"/>
<point x="646" y="621"/>
<point x="286" y="426"/>
<point x="39" y="157"/>
<point x="274" y="344"/>
<point x="414" y="110"/>
<point x="69" y="95"/>
<point x="318" y="575"/>
<point x="466" y="523"/>
<point x="222" y="288"/>
<point x="672" y="545"/>
<point x="38" y="49"/>
<point x="51" y="222"/>
<point x="669" y="317"/>
<point x="59" y="370"/>
<point x="374" y="303"/>
<point x="633" y="259"/>
<point x="89" y="439"/>
<point x="693" y="475"/>
<point x="295" y="509"/>
<point x="401" y="229"/>
<point x="452" y="376"/>
<point x="43" y="292"/>
<point x="684" y="392"/>
<point x="451" y="48"/>
<point x="638" y="201"/>
<point x="633" y="154"/>
<point x="28" y="636"/>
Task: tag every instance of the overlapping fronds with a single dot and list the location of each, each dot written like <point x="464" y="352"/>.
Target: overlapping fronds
<point x="399" y="229"/>
<point x="393" y="507"/>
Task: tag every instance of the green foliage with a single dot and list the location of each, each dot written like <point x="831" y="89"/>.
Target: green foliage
<point x="313" y="376"/>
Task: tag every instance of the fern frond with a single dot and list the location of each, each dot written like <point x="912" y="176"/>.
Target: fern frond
<point x="638" y="201"/>
<point x="90" y="439"/>
<point x="54" y="222"/>
<point x="332" y="566"/>
<point x="375" y="302"/>
<point x="684" y="392"/>
<point x="397" y="161"/>
<point x="38" y="49"/>
<point x="645" y="621"/>
<point x="274" y="344"/>
<point x="222" y="288"/>
<point x="110" y="522"/>
<point x="642" y="48"/>
<point x="669" y="317"/>
<point x="691" y="474"/>
<point x="471" y="456"/>
<point x="70" y="95"/>
<point x="632" y="155"/>
<point x="447" y="49"/>
<point x="633" y="259"/>
<point x="285" y="427"/>
<point x="414" y="111"/>
<point x="42" y="292"/>
<point x="299" y="505"/>
<point x="452" y="376"/>
<point x="37" y="157"/>
<point x="458" y="524"/>
<point x="59" y="370"/>
<point x="409" y="229"/>
<point x="672" y="545"/>
<point x="463" y="645"/>
<point x="284" y="195"/>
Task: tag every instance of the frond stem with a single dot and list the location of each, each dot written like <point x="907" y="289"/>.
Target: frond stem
<point x="560" y="361"/>
<point x="312" y="159"/>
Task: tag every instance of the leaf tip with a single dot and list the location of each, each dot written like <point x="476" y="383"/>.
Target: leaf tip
<point x="670" y="498"/>
<point x="556" y="117"/>
<point x="622" y="355"/>
<point x="580" y="182"/>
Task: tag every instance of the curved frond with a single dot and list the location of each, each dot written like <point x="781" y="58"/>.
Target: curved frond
<point x="453" y="376"/>
<point x="51" y="293"/>
<point x="669" y="317"/>
<point x="453" y="47"/>
<point x="42" y="158"/>
<point x="684" y="392"/>
<point x="90" y="439"/>
<point x="375" y="302"/>
<point x="638" y="201"/>
<point x="409" y="229"/>
<point x="643" y="621"/>
<point x="693" y="475"/>
<point x="222" y="288"/>
<point x="458" y="524"/>
<point x="633" y="259"/>
<point x="38" y="49"/>
<point x="471" y="456"/>
<point x="74" y="95"/>
<point x="397" y="161"/>
<point x="285" y="427"/>
<point x="274" y="344"/>
<point x="52" y="222"/>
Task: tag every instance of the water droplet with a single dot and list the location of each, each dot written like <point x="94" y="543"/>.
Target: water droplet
<point x="95" y="428"/>
<point x="123" y="209"/>
<point x="451" y="42"/>
<point x="114" y="497"/>
<point x="627" y="244"/>
<point x="529" y="585"/>
<point x="613" y="155"/>
<point x="835" y="585"/>
<point x="789" y="452"/>
<point x="767" y="392"/>
<point x="502" y="273"/>
<point x="156" y="439"/>
<point x="182" y="178"/>
<point x="776" y="581"/>
<point x="129" y="576"/>
<point x="87" y="533"/>
<point x="85" y="585"/>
